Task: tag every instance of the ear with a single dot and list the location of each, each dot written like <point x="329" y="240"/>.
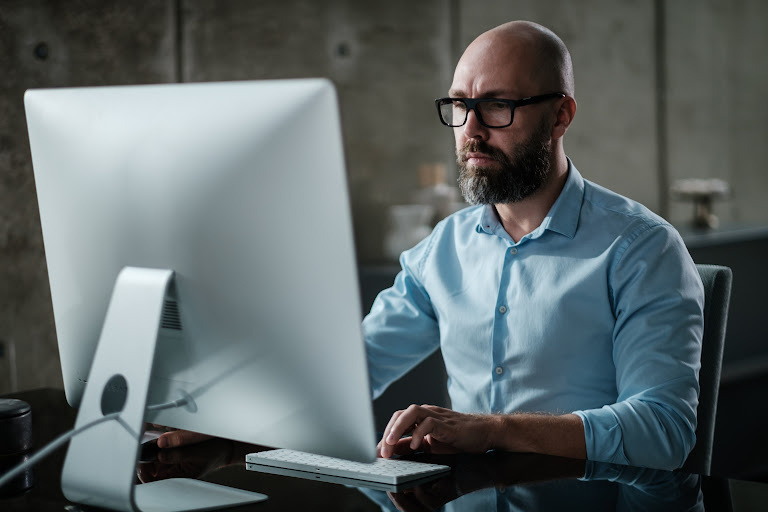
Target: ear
<point x="564" y="116"/>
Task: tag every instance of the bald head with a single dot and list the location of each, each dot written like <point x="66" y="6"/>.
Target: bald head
<point x="525" y="159"/>
<point x="530" y="55"/>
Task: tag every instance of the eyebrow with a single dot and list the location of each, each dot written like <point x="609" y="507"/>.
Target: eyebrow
<point x="490" y="94"/>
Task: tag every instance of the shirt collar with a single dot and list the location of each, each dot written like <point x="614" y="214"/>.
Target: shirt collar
<point x="562" y="218"/>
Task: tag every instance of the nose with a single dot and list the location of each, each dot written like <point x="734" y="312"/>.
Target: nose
<point x="472" y="128"/>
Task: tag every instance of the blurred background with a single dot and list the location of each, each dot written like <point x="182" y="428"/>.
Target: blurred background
<point x="671" y="107"/>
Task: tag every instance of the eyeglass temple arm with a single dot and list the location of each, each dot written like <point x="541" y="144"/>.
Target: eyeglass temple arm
<point x="538" y="99"/>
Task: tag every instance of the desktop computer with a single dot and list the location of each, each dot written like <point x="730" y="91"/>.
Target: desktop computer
<point x="200" y="254"/>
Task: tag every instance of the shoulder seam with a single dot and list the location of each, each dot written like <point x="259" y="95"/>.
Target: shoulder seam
<point x="644" y="218"/>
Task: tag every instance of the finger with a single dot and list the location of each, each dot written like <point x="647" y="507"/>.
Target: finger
<point x="406" y="422"/>
<point x="402" y="447"/>
<point x="385" y="450"/>
<point x="390" y="424"/>
<point x="427" y="427"/>
<point x="432" y="445"/>
<point x="178" y="438"/>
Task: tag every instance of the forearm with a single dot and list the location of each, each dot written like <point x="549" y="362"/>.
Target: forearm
<point x="562" y="436"/>
<point x="448" y="431"/>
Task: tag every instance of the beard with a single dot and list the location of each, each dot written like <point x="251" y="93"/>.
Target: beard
<point x="520" y="175"/>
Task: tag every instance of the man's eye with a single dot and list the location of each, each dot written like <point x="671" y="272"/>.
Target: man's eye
<point x="459" y="105"/>
<point x="495" y="106"/>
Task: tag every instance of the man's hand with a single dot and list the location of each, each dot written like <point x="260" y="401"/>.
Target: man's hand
<point x="177" y="438"/>
<point x="437" y="430"/>
<point x="174" y="438"/>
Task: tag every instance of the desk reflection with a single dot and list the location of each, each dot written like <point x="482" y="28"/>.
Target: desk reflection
<point x="525" y="482"/>
<point x="492" y="481"/>
<point x="191" y="461"/>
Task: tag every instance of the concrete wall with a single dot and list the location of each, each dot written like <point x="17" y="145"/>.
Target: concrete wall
<point x="51" y="44"/>
<point x="717" y="79"/>
<point x="665" y="89"/>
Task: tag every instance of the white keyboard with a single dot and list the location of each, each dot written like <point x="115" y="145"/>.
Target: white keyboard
<point x="385" y="471"/>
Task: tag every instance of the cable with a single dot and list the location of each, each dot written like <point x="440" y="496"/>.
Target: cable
<point x="184" y="400"/>
<point x="56" y="443"/>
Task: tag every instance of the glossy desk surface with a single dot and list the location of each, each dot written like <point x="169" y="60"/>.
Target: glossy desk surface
<point x="493" y="481"/>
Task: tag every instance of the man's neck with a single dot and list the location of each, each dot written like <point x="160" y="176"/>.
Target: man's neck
<point x="519" y="219"/>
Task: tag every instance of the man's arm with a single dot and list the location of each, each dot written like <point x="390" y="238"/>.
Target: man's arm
<point x="401" y="329"/>
<point x="443" y="430"/>
<point x="658" y="301"/>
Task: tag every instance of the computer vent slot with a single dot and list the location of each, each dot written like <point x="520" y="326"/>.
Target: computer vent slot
<point x="171" y="318"/>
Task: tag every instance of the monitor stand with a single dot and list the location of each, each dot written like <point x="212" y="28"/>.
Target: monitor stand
<point x="100" y="468"/>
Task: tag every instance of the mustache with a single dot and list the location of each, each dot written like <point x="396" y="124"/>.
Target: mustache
<point x="478" y="146"/>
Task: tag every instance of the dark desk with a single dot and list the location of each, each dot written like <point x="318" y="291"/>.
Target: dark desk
<point x="483" y="482"/>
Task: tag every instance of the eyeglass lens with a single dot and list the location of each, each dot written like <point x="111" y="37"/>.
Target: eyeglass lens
<point x="491" y="113"/>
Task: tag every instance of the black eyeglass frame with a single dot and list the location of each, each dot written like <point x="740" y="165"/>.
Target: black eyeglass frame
<point x="471" y="103"/>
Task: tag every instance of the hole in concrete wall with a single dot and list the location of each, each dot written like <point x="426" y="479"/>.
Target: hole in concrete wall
<point x="342" y="50"/>
<point x="41" y="51"/>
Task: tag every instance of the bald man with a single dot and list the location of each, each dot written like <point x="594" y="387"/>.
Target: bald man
<point x="569" y="318"/>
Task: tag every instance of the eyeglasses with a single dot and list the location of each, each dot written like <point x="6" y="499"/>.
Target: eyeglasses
<point x="491" y="112"/>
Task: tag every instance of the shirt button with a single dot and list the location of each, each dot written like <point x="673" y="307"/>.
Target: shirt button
<point x="513" y="250"/>
<point x="502" y="309"/>
<point x="499" y="370"/>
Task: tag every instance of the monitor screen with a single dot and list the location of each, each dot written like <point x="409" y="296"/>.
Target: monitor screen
<point x="240" y="189"/>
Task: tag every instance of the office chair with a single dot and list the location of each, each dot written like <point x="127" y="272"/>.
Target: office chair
<point x="717" y="294"/>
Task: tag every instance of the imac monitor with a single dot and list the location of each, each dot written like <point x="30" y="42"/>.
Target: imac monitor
<point x="224" y="206"/>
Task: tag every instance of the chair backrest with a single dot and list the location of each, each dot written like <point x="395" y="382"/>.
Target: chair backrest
<point x="717" y="294"/>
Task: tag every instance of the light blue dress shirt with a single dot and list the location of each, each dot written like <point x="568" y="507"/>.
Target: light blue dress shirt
<point x="597" y="312"/>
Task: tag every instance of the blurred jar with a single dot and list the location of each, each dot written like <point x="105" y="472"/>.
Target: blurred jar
<point x="409" y="224"/>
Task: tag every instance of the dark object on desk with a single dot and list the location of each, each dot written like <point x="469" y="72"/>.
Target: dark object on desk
<point x="15" y="426"/>
<point x="15" y="442"/>
<point x="22" y="482"/>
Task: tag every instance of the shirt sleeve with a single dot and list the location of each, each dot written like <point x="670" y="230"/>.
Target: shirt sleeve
<point x="401" y="330"/>
<point x="658" y="302"/>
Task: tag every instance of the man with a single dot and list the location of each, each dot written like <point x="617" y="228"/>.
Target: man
<point x="569" y="318"/>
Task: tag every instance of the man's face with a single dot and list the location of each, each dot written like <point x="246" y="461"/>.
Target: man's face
<point x="501" y="176"/>
<point x="501" y="165"/>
